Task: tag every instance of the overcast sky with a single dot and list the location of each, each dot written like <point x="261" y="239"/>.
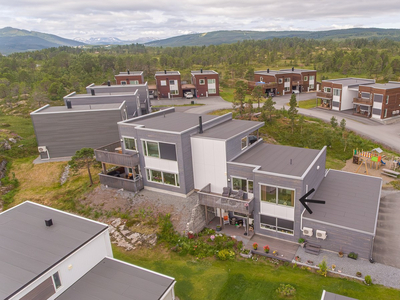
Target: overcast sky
<point x="132" y="19"/>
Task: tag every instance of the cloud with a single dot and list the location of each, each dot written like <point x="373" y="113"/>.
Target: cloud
<point x="127" y="19"/>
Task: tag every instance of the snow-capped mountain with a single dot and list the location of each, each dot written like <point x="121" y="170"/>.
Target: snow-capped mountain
<point x="112" y="40"/>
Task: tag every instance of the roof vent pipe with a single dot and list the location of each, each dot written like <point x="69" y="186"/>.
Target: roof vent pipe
<point x="92" y="92"/>
<point x="267" y="70"/>
<point x="201" y="70"/>
<point x="69" y="105"/>
<point x="128" y="71"/>
<point x="109" y="83"/>
<point x="292" y="69"/>
<point x="200" y="125"/>
<point x="165" y="71"/>
<point x="48" y="222"/>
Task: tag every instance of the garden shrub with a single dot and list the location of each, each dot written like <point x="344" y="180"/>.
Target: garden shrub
<point x="286" y="290"/>
<point x="368" y="279"/>
<point x="225" y="254"/>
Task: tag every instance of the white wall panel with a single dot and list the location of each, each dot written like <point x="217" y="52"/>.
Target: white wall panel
<point x="166" y="165"/>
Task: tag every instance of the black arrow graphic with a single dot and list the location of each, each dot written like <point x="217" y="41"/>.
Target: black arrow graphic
<point x="304" y="199"/>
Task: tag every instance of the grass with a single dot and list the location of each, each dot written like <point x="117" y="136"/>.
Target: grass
<point x="228" y="94"/>
<point x="244" y="279"/>
<point x="307" y="103"/>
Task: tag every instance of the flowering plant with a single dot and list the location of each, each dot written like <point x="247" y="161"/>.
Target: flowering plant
<point x="212" y="237"/>
<point x="266" y="249"/>
<point x="275" y="252"/>
<point x="255" y="246"/>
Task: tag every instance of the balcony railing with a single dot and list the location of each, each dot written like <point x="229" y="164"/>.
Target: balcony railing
<point x="132" y="185"/>
<point x="207" y="198"/>
<point x="297" y="82"/>
<point x="111" y="154"/>
<point x="363" y="101"/>
<point x="324" y="95"/>
<point x="266" y="85"/>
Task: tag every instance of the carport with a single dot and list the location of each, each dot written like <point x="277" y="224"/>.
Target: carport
<point x="188" y="87"/>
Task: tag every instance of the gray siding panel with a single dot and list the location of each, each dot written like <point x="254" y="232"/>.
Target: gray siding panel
<point x="335" y="104"/>
<point x="377" y="111"/>
<point x="378" y="98"/>
<point x="340" y="238"/>
<point x="65" y="133"/>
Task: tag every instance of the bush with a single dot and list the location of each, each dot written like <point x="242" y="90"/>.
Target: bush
<point x="352" y="255"/>
<point x="286" y="290"/>
<point x="323" y="268"/>
<point x="368" y="279"/>
<point x="226" y="254"/>
<point x="301" y="240"/>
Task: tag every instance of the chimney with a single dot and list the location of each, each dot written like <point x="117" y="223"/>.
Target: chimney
<point x="165" y="71"/>
<point x="292" y="69"/>
<point x="48" y="222"/>
<point x="69" y="105"/>
<point x="92" y="92"/>
<point x="201" y="70"/>
<point x="109" y="83"/>
<point x="128" y="71"/>
<point x="200" y="125"/>
<point x="267" y="70"/>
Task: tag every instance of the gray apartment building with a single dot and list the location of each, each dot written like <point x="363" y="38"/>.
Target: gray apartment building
<point x="236" y="173"/>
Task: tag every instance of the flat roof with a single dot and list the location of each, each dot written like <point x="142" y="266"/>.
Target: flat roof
<point x="350" y="81"/>
<point x="352" y="201"/>
<point x="271" y="72"/>
<point x="116" y="280"/>
<point x="331" y="296"/>
<point x="160" y="73"/>
<point x="130" y="73"/>
<point x="276" y="158"/>
<point x="99" y="95"/>
<point x="297" y="70"/>
<point x="385" y="86"/>
<point x="199" y="72"/>
<point x="230" y="129"/>
<point x="188" y="86"/>
<point x="77" y="107"/>
<point x="29" y="248"/>
<point x="175" y="121"/>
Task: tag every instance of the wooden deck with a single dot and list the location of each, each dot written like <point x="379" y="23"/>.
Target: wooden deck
<point x="109" y="154"/>
<point x="132" y="185"/>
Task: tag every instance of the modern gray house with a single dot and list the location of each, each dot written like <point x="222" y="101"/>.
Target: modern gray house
<point x="49" y="254"/>
<point x="62" y="130"/>
<point x="236" y="173"/>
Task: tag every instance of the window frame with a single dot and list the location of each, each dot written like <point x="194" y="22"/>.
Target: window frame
<point x="247" y="190"/>
<point x="287" y="79"/>
<point x="337" y="90"/>
<point x="149" y="175"/>
<point x="146" y="150"/>
<point x="276" y="195"/>
<point x="211" y="81"/>
<point x="134" y="82"/>
<point x="280" y="80"/>
<point x="277" y="228"/>
<point x="326" y="88"/>
<point x="174" y="92"/>
<point x="123" y="82"/>
<point x="387" y="99"/>
<point x="212" y="91"/>
<point x="202" y="81"/>
<point x="54" y="280"/>
<point x="305" y="78"/>
<point x="311" y="77"/>
<point x="163" y="83"/>
<point x="131" y="138"/>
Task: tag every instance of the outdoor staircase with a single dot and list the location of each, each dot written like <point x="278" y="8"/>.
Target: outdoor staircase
<point x="312" y="249"/>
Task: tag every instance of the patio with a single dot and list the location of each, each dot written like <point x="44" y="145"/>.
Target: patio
<point x="232" y="230"/>
<point x="286" y="250"/>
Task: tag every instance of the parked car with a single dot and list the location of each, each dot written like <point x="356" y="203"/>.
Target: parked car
<point x="295" y="92"/>
<point x="188" y="95"/>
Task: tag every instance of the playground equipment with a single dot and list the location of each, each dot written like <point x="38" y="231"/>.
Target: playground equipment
<point x="373" y="158"/>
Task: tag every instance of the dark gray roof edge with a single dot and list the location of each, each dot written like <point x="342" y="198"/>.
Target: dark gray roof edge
<point x="314" y="161"/>
<point x="40" y="109"/>
<point x="64" y="257"/>
<point x="260" y="141"/>
<point x="256" y="126"/>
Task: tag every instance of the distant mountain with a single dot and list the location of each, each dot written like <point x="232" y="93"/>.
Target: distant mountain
<point x="18" y="40"/>
<point x="233" y="36"/>
<point x="113" y="41"/>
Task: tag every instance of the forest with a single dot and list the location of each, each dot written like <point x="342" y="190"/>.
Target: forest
<point x="48" y="75"/>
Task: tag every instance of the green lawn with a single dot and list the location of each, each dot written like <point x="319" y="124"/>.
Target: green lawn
<point x="245" y="279"/>
<point x="308" y="103"/>
<point x="228" y="94"/>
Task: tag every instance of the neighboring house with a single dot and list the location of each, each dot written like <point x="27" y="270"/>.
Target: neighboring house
<point x="285" y="81"/>
<point x="181" y="153"/>
<point x="49" y="254"/>
<point x="62" y="130"/>
<point x="338" y="94"/>
<point x="130" y="77"/>
<point x="168" y="84"/>
<point x="140" y="90"/>
<point x="379" y="100"/>
<point x="206" y="83"/>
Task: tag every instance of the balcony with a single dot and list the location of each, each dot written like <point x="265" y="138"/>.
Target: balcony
<point x="266" y="85"/>
<point x="111" y="154"/>
<point x="297" y="82"/>
<point x="132" y="185"/>
<point x="363" y="101"/>
<point x="207" y="198"/>
<point x="324" y="95"/>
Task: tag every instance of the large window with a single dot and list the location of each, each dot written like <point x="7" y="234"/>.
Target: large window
<point x="211" y="81"/>
<point x="277" y="195"/>
<point x="336" y="92"/>
<point x="287" y="79"/>
<point x="244" y="142"/>
<point x="151" y="149"/>
<point x="134" y="82"/>
<point x="212" y="91"/>
<point x="163" y="177"/>
<point x="174" y="92"/>
<point x="327" y="90"/>
<point x="287" y="89"/>
<point x="130" y="143"/>
<point x="312" y="77"/>
<point x="276" y="224"/>
<point x="242" y="184"/>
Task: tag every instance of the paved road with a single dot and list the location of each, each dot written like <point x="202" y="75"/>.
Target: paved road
<point x="387" y="135"/>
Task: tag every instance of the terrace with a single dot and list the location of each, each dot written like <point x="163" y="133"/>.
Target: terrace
<point x="364" y="101"/>
<point x="324" y="95"/>
<point x="112" y="154"/>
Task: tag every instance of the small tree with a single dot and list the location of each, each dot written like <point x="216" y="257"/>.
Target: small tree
<point x="256" y="94"/>
<point x="334" y="122"/>
<point x="292" y="111"/>
<point x="343" y="124"/>
<point x="269" y="107"/>
<point x="83" y="158"/>
<point x="240" y="95"/>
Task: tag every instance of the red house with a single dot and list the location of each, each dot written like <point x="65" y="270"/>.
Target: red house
<point x="130" y="77"/>
<point x="168" y="84"/>
<point x="206" y="83"/>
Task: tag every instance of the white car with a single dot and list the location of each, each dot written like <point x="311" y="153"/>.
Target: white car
<point x="188" y="95"/>
<point x="295" y="92"/>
